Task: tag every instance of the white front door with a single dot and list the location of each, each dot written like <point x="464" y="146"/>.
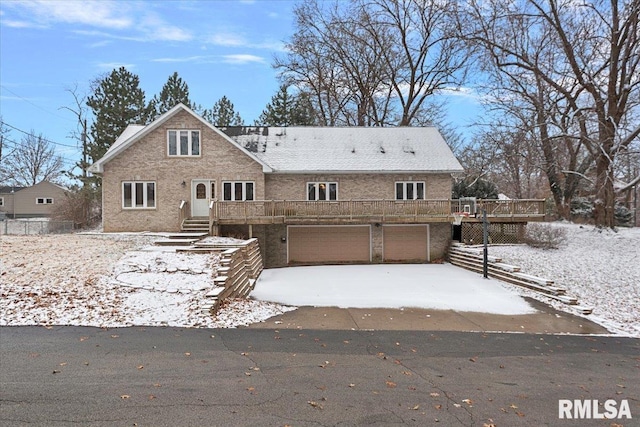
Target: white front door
<point x="202" y="190"/>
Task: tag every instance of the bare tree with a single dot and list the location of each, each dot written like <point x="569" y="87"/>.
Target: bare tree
<point x="33" y="161"/>
<point x="373" y="62"/>
<point x="583" y="58"/>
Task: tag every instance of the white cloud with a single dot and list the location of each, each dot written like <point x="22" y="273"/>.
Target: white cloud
<point x="184" y="59"/>
<point x="108" y="66"/>
<point x="126" y="20"/>
<point x="20" y="24"/>
<point x="104" y="14"/>
<point x="242" y="59"/>
<point x="227" y="39"/>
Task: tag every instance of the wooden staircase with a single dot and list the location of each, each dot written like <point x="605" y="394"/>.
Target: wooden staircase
<point x="472" y="259"/>
<point x="196" y="225"/>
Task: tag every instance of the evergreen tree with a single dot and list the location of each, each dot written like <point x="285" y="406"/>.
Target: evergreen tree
<point x="117" y="101"/>
<point x="223" y="114"/>
<point x="174" y="91"/>
<point x="287" y="110"/>
<point x="479" y="188"/>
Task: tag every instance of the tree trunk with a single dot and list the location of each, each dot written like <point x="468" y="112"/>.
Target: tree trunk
<point x="603" y="212"/>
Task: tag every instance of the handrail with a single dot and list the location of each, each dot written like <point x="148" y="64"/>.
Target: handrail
<point x="183" y="211"/>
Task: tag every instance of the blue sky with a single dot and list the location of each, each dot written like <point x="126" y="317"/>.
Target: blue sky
<point x="219" y="47"/>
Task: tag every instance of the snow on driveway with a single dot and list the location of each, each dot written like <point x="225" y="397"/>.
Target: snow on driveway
<point x="434" y="286"/>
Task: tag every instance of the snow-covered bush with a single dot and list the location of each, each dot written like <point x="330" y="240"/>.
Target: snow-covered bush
<point x="581" y="207"/>
<point x="623" y="215"/>
<point x="544" y="236"/>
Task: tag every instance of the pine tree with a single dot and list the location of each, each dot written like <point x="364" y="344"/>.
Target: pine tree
<point x="287" y="110"/>
<point x="223" y="114"/>
<point x="117" y="101"/>
<point x="174" y="91"/>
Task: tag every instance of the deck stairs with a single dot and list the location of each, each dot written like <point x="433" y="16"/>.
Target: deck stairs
<point x="196" y="225"/>
<point x="471" y="258"/>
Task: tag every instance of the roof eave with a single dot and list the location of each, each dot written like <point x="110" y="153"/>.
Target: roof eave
<point x="345" y="172"/>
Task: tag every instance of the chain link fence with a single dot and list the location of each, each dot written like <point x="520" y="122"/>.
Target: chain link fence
<point x="27" y="227"/>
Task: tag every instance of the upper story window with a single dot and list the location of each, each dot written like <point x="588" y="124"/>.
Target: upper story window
<point x="1" y="201"/>
<point x="138" y="195"/>
<point x="237" y="190"/>
<point x="44" y="201"/>
<point x="322" y="191"/>
<point x="183" y="142"/>
<point x="410" y="190"/>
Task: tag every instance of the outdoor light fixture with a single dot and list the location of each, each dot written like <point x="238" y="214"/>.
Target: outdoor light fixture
<point x="184" y="184"/>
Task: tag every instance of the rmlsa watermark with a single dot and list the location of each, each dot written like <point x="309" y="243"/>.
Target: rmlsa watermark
<point x="590" y="409"/>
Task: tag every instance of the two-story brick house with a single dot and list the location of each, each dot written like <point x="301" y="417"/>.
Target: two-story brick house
<point x="309" y="194"/>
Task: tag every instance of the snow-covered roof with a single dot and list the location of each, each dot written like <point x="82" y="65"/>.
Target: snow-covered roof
<point x="320" y="149"/>
<point x="348" y="149"/>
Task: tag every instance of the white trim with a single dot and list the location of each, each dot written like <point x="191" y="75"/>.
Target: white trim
<point x="45" y="200"/>
<point x="233" y="193"/>
<point x="144" y="195"/>
<point x="316" y="183"/>
<point x="404" y="190"/>
<point x="189" y="143"/>
<point x="333" y="226"/>
<point x="209" y="191"/>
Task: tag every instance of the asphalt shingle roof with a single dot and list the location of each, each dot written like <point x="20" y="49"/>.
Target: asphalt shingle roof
<point x="348" y="149"/>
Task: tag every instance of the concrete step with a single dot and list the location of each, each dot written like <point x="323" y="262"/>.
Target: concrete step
<point x="175" y="242"/>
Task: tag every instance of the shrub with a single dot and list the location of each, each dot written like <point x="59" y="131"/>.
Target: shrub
<point x="544" y="236"/>
<point x="582" y="207"/>
<point x="623" y="215"/>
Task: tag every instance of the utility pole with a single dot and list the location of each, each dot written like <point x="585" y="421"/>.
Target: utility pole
<point x="84" y="152"/>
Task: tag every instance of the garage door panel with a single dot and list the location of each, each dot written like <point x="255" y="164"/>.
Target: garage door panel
<point x="329" y="244"/>
<point x="405" y="243"/>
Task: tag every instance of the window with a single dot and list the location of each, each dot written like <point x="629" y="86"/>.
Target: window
<point x="183" y="142"/>
<point x="322" y="191"/>
<point x="410" y="190"/>
<point x="237" y="190"/>
<point x="44" y="201"/>
<point x="138" y="195"/>
<point x="1" y="201"/>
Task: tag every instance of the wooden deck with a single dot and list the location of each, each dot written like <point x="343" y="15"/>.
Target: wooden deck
<point x="359" y="211"/>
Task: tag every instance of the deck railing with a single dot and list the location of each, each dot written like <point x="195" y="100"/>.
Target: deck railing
<point x="184" y="211"/>
<point x="519" y="207"/>
<point x="353" y="210"/>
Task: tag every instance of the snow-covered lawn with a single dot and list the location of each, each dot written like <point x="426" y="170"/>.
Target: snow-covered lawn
<point x="599" y="267"/>
<point x="111" y="280"/>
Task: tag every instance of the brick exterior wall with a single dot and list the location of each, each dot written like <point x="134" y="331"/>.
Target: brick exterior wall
<point x="147" y="160"/>
<point x="355" y="186"/>
<point x="440" y="239"/>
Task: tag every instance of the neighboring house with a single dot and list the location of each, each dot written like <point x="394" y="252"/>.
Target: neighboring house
<point x="31" y="202"/>
<point x="309" y="194"/>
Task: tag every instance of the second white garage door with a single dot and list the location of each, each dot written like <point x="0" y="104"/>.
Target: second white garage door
<point x="405" y="243"/>
<point x="329" y="244"/>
